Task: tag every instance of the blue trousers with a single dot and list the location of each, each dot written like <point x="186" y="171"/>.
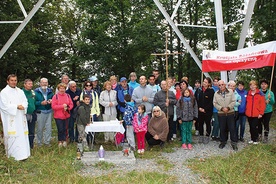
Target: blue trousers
<point x="240" y="125"/>
<point x="61" y="127"/>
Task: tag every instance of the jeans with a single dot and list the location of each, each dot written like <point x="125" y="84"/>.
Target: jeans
<point x="240" y="124"/>
<point x="186" y="132"/>
<point x="44" y="121"/>
<point x="31" y="119"/>
<point x="227" y="124"/>
<point x="61" y="127"/>
<point x="215" y="131"/>
<point x="71" y="129"/>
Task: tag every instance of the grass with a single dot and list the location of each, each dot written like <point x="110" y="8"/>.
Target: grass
<point x="254" y="164"/>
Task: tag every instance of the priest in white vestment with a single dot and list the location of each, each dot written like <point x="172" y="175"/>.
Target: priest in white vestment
<point x="13" y="106"/>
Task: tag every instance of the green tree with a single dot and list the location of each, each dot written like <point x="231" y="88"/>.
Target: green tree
<point x="120" y="36"/>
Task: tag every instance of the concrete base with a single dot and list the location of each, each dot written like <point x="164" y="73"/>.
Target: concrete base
<point x="115" y="157"/>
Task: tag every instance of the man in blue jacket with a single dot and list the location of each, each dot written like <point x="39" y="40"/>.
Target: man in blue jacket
<point x="123" y="89"/>
<point x="43" y="101"/>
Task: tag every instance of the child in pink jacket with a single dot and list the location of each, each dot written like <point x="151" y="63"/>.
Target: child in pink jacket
<point x="140" y="126"/>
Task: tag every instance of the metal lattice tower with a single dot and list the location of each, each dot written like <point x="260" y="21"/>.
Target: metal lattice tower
<point x="248" y="11"/>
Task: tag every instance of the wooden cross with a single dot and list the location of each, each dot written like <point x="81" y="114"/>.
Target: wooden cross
<point x="166" y="54"/>
<point x="167" y="73"/>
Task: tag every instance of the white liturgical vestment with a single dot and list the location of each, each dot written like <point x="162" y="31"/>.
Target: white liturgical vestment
<point x="14" y="122"/>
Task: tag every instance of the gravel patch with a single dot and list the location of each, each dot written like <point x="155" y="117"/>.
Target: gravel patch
<point x="177" y="158"/>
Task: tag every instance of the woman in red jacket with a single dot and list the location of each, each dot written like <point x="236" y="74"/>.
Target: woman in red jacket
<point x="61" y="105"/>
<point x="255" y="107"/>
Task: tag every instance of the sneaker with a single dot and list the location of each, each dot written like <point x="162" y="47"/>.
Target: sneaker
<point x="64" y="144"/>
<point x="250" y="142"/>
<point x="255" y="143"/>
<point x="196" y="132"/>
<point x="190" y="146"/>
<point x="59" y="144"/>
<point x="138" y="151"/>
<point x="142" y="151"/>
<point x="174" y="136"/>
<point x="184" y="146"/>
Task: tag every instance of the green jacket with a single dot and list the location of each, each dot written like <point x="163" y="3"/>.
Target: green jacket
<point x="269" y="106"/>
<point x="83" y="116"/>
<point x="30" y="95"/>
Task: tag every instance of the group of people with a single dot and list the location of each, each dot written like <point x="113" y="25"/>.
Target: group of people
<point x="151" y="110"/>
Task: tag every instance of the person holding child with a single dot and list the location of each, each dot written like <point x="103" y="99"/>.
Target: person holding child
<point x="83" y="119"/>
<point x="140" y="126"/>
<point x="128" y="118"/>
<point x="187" y="111"/>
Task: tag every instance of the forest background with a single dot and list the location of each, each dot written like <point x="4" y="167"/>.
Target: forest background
<point x="82" y="38"/>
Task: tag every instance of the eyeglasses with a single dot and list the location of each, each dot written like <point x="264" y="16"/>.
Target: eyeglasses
<point x="156" y="111"/>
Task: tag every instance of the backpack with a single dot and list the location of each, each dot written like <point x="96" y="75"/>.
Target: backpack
<point x="75" y="112"/>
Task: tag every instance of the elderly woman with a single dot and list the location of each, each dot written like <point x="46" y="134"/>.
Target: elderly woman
<point x="61" y="105"/>
<point x="108" y="99"/>
<point x="232" y="86"/>
<point x="132" y="80"/>
<point x="158" y="128"/>
<point x="255" y="107"/>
